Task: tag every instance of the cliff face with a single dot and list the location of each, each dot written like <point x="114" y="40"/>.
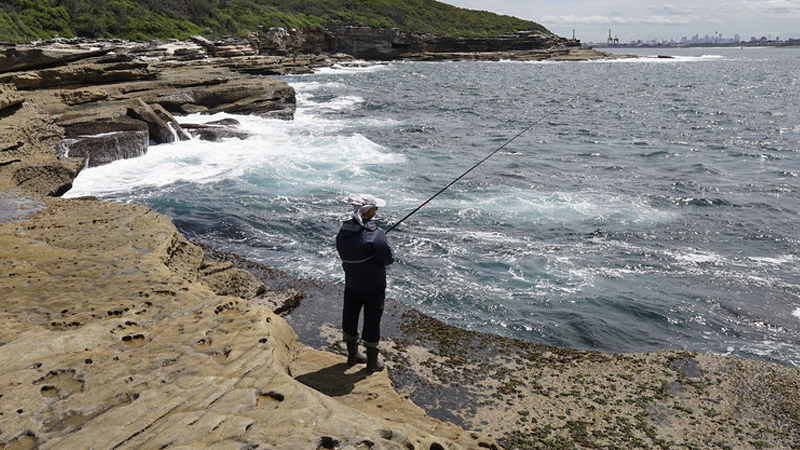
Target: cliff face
<point x="388" y="44"/>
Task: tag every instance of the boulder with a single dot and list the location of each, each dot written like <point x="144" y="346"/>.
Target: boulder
<point x="50" y="177"/>
<point x="28" y="160"/>
<point x="162" y="125"/>
<point x="215" y="132"/>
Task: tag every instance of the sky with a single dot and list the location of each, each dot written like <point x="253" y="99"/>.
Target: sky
<point x="632" y="20"/>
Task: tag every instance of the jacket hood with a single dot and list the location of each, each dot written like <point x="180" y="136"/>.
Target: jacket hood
<point x="352" y="227"/>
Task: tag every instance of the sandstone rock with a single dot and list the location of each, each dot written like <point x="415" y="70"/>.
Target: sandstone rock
<point x="80" y="96"/>
<point x="217" y="131"/>
<point x="28" y="159"/>
<point x="387" y="44"/>
<point x="106" y="344"/>
<point x="9" y="97"/>
<point x="48" y="177"/>
<point x="100" y="142"/>
<point x="23" y="58"/>
<point x="224" y="279"/>
<point x="162" y="125"/>
<point x="112" y="89"/>
<point x="262" y="97"/>
<point x="232" y="50"/>
<point x="100" y="71"/>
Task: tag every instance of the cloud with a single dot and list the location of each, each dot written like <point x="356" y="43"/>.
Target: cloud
<point x="639" y="19"/>
<point x="779" y="9"/>
<point x="617" y="19"/>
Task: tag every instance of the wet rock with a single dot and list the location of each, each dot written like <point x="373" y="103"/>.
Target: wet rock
<point x="162" y="125"/>
<point x="100" y="142"/>
<point x="215" y="133"/>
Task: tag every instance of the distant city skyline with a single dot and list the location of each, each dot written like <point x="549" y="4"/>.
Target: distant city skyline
<point x="639" y="20"/>
<point x="697" y="38"/>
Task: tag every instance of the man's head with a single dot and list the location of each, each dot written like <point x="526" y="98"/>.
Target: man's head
<point x="364" y="206"/>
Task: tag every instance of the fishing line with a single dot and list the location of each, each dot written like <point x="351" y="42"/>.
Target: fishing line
<point x="554" y="110"/>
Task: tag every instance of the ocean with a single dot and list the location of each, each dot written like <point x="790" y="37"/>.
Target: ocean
<point x="648" y="204"/>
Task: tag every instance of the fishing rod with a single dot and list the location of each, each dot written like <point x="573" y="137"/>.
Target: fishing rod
<point x="553" y="111"/>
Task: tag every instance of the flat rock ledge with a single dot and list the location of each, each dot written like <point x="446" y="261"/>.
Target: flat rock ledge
<point x="84" y="104"/>
<point x="112" y="338"/>
<point x="533" y="396"/>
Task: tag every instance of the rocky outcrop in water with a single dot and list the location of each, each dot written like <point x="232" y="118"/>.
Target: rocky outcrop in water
<point x="68" y="105"/>
<point x="96" y="102"/>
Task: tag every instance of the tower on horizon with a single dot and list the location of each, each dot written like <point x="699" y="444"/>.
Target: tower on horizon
<point x="612" y="40"/>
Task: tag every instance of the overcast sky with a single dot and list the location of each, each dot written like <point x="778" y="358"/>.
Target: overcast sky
<point x="646" y="20"/>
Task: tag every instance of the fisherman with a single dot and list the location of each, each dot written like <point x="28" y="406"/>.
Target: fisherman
<point x="365" y="253"/>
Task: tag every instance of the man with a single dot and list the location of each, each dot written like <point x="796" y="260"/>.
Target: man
<point x="365" y="253"/>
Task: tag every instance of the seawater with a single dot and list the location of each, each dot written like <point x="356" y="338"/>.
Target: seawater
<point x="652" y="205"/>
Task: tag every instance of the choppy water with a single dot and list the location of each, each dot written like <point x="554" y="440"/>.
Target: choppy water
<point x="657" y="209"/>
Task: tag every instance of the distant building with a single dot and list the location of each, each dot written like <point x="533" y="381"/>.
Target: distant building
<point x="614" y="40"/>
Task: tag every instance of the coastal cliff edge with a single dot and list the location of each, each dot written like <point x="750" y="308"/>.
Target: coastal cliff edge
<point x="119" y="333"/>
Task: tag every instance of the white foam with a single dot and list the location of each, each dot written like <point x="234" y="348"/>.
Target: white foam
<point x="656" y="59"/>
<point x="796" y="313"/>
<point x="773" y="261"/>
<point x="281" y="152"/>
<point x="696" y="256"/>
<point x="338" y="104"/>
<point x="352" y="68"/>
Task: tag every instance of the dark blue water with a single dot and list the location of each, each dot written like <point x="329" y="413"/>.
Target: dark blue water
<point x="652" y="205"/>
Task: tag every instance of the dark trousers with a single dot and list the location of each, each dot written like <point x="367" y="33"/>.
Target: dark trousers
<point x="372" y="303"/>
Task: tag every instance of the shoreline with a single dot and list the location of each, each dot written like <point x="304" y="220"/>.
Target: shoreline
<point x="529" y="395"/>
<point x="119" y="333"/>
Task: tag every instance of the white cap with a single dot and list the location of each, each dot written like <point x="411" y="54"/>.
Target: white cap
<point x="362" y="203"/>
<point x="358" y="201"/>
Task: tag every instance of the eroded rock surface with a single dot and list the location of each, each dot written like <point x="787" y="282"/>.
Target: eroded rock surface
<point x="110" y="339"/>
<point x="68" y="107"/>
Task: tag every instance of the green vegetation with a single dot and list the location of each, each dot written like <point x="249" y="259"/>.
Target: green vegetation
<point x="23" y="20"/>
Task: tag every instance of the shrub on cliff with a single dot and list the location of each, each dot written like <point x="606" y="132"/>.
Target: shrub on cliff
<point x="22" y="20"/>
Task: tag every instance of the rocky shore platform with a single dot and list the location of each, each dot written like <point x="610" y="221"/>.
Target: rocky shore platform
<point x="119" y="333"/>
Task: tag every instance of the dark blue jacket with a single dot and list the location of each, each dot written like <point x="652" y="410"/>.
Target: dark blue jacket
<point x="365" y="253"/>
